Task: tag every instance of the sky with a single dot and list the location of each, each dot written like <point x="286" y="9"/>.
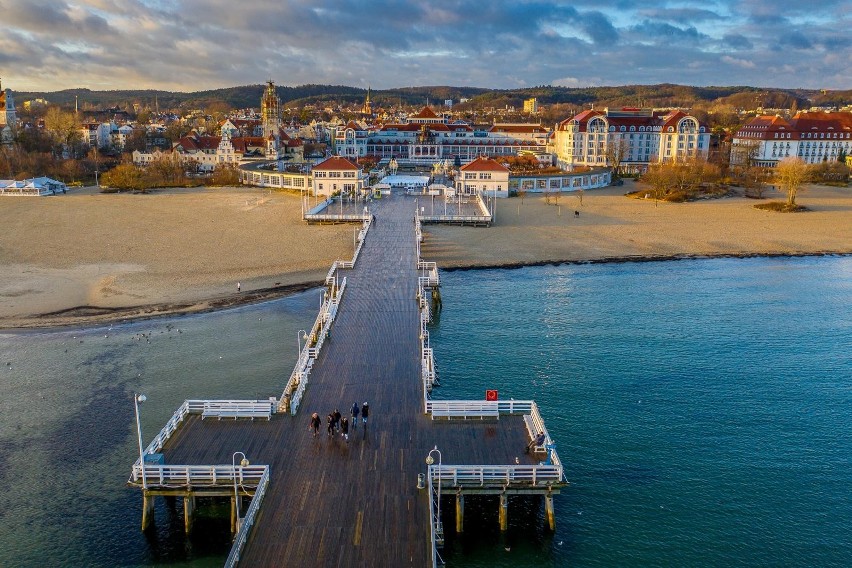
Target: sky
<point x="192" y="45"/>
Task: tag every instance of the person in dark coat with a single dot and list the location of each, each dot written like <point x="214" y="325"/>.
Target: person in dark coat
<point x="365" y="412"/>
<point x="329" y="420"/>
<point x="344" y="428"/>
<point x="356" y="410"/>
<point x="314" y="423"/>
<point x="336" y="416"/>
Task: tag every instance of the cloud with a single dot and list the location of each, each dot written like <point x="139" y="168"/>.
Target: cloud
<point x="203" y="44"/>
<point x="744" y="63"/>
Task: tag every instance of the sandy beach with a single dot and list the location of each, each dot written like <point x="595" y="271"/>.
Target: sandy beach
<point x="88" y="257"/>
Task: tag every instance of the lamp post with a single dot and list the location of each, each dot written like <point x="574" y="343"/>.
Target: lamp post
<point x="301" y="334"/>
<point x="429" y="461"/>
<point x="243" y="463"/>
<point x="137" y="398"/>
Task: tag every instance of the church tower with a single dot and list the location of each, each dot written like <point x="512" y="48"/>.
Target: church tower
<point x="7" y="107"/>
<point x="367" y="109"/>
<point x="270" y="111"/>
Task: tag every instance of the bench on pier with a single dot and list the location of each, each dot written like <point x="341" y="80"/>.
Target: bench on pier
<point x="237" y="409"/>
<point x="464" y="409"/>
<point x="531" y="430"/>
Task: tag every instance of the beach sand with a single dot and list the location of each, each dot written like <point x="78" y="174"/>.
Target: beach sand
<point x="88" y="257"/>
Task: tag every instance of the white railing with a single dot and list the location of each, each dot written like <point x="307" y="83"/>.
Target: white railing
<point x="459" y="475"/>
<point x="239" y="409"/>
<point x="196" y="476"/>
<point x="295" y="387"/>
<point x="474" y="219"/>
<point x="248" y="521"/>
<point x="435" y="525"/>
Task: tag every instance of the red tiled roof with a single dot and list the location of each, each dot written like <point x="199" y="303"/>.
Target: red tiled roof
<point x="484" y="165"/>
<point x="426" y="112"/>
<point x="200" y="142"/>
<point x="336" y="163"/>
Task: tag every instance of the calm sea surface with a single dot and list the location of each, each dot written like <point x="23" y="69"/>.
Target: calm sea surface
<point x="703" y="410"/>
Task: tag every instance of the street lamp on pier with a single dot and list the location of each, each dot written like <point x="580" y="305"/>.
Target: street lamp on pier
<point x="137" y="398"/>
<point x="243" y="463"/>
<point x="300" y="335"/>
<point x="439" y="529"/>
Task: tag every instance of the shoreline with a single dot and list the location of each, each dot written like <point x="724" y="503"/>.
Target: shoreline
<point x="95" y="316"/>
<point x="87" y="259"/>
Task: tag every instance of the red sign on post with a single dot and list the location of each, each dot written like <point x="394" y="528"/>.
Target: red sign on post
<point x="490" y="394"/>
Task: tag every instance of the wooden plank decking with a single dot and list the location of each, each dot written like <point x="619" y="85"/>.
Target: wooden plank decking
<point x="332" y="503"/>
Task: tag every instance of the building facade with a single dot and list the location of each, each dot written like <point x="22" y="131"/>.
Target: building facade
<point x="336" y="175"/>
<point x="630" y="139"/>
<point x="426" y="138"/>
<point x="483" y="175"/>
<point x="814" y="137"/>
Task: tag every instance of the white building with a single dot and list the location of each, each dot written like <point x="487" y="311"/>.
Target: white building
<point x="815" y="137"/>
<point x="640" y="136"/>
<point x="336" y="174"/>
<point x="32" y="187"/>
<point x="483" y="175"/>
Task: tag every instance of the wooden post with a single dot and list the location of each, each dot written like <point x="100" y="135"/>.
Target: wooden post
<point x="548" y="508"/>
<point x="504" y="512"/>
<point x="147" y="510"/>
<point x="459" y="512"/>
<point x="188" y="511"/>
<point x="233" y="515"/>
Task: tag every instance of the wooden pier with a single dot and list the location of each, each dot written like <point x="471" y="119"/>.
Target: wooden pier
<point x="320" y="501"/>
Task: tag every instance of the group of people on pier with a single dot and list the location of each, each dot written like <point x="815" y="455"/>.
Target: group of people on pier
<point x="337" y="423"/>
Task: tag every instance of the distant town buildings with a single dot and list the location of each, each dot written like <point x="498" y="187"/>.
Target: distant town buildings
<point x="240" y="141"/>
<point x="629" y="139"/>
<point x="814" y="137"/>
<point x="426" y="138"/>
<point x="531" y="106"/>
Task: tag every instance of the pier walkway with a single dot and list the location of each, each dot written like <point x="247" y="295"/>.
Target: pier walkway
<point x="329" y="502"/>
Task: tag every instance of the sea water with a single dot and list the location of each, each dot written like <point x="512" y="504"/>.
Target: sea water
<point x="702" y="409"/>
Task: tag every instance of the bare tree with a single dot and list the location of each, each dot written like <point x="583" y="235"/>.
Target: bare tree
<point x="616" y="150"/>
<point x="790" y="174"/>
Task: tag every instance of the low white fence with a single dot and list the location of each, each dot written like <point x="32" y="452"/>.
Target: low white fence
<point x="196" y="476"/>
<point x="460" y="475"/>
<point x="248" y="521"/>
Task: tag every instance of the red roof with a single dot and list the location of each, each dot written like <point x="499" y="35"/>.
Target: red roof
<point x="426" y="112"/>
<point x="336" y="163"/>
<point x="195" y="142"/>
<point x="485" y="165"/>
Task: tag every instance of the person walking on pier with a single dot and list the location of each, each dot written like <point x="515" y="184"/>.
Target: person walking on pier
<point x="336" y="416"/>
<point x="329" y="420"/>
<point x="355" y="412"/>
<point x="314" y="424"/>
<point x="344" y="428"/>
<point x="365" y="412"/>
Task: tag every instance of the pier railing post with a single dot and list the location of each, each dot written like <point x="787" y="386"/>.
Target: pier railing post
<point x="504" y="512"/>
<point x="459" y="511"/>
